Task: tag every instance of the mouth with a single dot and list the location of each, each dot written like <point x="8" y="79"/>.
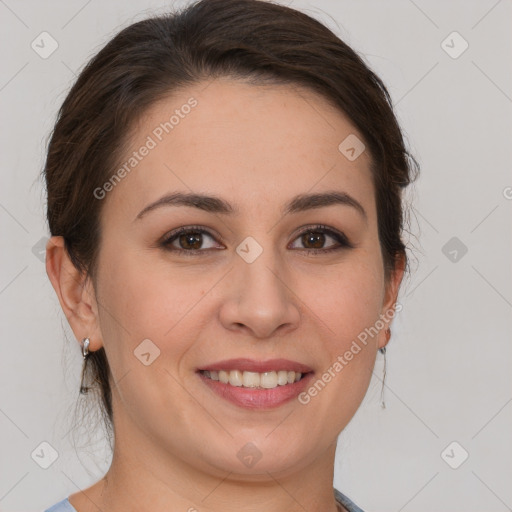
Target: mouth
<point x="255" y="384"/>
<point x="254" y="380"/>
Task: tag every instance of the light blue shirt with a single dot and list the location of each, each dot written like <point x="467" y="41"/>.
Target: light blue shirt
<point x="65" y="506"/>
<point x="62" y="506"/>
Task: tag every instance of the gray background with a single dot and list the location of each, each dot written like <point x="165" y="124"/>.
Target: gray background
<point x="448" y="376"/>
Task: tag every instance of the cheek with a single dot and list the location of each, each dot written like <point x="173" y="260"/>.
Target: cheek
<point x="147" y="311"/>
<point x="350" y="300"/>
<point x="348" y="308"/>
<point x="145" y="302"/>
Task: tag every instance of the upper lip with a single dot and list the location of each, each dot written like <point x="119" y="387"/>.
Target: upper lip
<point x="253" y="365"/>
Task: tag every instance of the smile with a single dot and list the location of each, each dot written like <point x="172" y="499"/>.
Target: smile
<point x="246" y="379"/>
<point x="256" y="384"/>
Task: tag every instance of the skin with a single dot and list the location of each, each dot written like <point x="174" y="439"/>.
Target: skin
<point x="176" y="442"/>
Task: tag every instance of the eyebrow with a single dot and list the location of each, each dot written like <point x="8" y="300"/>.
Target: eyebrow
<point x="213" y="204"/>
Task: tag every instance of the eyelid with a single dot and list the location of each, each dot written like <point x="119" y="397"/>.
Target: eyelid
<point x="166" y="239"/>
<point x="339" y="236"/>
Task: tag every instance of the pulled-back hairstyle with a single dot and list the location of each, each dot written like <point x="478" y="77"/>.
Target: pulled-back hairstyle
<point x="251" y="40"/>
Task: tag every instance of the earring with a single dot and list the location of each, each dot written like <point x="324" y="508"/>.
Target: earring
<point x="85" y="352"/>
<point x="85" y="347"/>
<point x="383" y="352"/>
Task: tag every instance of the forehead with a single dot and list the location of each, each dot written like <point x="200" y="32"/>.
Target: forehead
<point x="253" y="143"/>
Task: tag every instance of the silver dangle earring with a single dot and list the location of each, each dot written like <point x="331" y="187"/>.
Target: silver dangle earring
<point x="383" y="352"/>
<point x="85" y="353"/>
<point x="85" y="347"/>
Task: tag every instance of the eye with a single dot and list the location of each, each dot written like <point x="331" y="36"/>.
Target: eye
<point x="189" y="240"/>
<point x="194" y="240"/>
<point x="315" y="238"/>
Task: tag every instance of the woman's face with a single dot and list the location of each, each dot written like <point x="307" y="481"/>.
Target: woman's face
<point x="262" y="276"/>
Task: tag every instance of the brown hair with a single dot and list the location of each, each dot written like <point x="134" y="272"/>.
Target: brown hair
<point x="250" y="40"/>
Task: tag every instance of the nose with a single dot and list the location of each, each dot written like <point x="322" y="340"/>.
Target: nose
<point x="260" y="299"/>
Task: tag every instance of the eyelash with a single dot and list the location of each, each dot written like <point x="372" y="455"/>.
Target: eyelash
<point x="338" y="236"/>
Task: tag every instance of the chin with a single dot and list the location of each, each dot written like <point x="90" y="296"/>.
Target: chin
<point x="254" y="460"/>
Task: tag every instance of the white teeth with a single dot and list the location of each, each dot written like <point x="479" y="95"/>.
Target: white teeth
<point x="282" y="377"/>
<point x="250" y="379"/>
<point x="266" y="380"/>
<point x="235" y="378"/>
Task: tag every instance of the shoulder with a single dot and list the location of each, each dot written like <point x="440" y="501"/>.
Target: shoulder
<point x="349" y="505"/>
<point x="62" y="506"/>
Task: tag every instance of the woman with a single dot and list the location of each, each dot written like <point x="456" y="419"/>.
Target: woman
<point x="224" y="198"/>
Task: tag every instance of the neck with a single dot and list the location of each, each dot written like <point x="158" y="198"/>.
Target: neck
<point x="143" y="477"/>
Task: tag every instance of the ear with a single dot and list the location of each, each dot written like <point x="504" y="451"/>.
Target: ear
<point x="75" y="292"/>
<point x="390" y="298"/>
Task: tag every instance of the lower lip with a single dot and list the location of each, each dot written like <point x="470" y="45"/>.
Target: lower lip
<point x="254" y="398"/>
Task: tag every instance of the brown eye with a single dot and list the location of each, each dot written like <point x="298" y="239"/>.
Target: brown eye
<point x="190" y="241"/>
<point x="314" y="240"/>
